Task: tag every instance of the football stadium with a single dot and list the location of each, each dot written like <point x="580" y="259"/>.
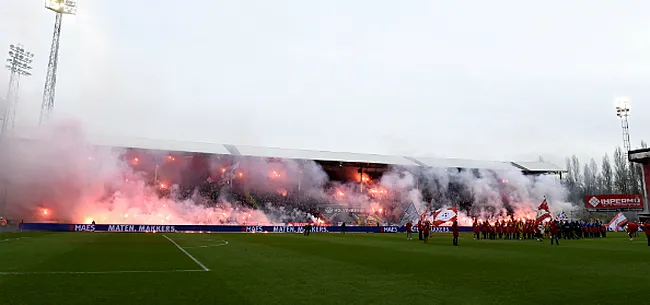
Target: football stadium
<point x="89" y="219"/>
<point x="146" y="221"/>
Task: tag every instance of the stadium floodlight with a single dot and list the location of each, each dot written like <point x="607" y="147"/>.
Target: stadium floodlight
<point x="623" y="112"/>
<point x="62" y="6"/>
<point x="622" y="106"/>
<point x="18" y="63"/>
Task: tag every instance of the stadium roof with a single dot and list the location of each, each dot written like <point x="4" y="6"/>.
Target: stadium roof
<point x="538" y="167"/>
<point x="165" y="145"/>
<point x="322" y="155"/>
<point x="298" y="154"/>
<point x="464" y="163"/>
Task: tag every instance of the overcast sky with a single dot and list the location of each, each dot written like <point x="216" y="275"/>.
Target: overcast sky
<point x="501" y="80"/>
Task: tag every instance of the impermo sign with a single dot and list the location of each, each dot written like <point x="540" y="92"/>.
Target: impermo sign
<point x="627" y="202"/>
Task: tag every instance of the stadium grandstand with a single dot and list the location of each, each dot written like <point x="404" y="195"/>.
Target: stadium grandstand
<point x="213" y="172"/>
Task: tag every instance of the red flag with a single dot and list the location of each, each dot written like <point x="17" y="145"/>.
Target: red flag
<point x="543" y="212"/>
<point x="445" y="215"/>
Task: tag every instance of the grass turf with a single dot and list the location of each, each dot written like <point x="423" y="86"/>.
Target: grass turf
<point x="319" y="269"/>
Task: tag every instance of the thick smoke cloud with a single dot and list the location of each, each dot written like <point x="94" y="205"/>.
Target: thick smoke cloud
<point x="56" y="175"/>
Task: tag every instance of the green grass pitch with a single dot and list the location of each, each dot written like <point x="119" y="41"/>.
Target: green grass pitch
<point x="104" y="268"/>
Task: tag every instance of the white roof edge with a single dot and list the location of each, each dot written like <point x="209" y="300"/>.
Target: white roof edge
<point x="301" y="154"/>
<point x="538" y="166"/>
<point x="322" y="155"/>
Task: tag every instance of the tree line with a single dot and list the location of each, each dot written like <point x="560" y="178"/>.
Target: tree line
<point x="614" y="176"/>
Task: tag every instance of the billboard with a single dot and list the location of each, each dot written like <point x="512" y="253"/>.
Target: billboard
<point x="612" y="202"/>
<point x="129" y="228"/>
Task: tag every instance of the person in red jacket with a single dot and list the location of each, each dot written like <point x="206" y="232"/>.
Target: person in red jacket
<point x="555" y="230"/>
<point x="538" y="232"/>
<point x="646" y="229"/>
<point x="632" y="228"/>
<point x="420" y="228"/>
<point x="454" y="231"/>
<point x="477" y="232"/>
<point x="499" y="230"/>
<point x="409" y="232"/>
<point x="484" y="229"/>
<point x="427" y="232"/>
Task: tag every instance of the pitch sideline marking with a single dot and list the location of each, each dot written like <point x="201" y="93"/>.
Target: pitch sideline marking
<point x="186" y="253"/>
<point x="15" y="238"/>
<point x="223" y="243"/>
<point x="93" y="272"/>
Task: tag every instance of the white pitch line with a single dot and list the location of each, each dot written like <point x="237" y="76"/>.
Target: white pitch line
<point x="224" y="243"/>
<point x="189" y="255"/>
<point x="93" y="272"/>
<point x="12" y="239"/>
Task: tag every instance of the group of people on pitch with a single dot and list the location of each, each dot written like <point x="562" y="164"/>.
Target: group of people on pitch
<point x="424" y="231"/>
<point x="516" y="229"/>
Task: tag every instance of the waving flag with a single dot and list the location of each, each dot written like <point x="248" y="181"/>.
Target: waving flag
<point x="562" y="217"/>
<point x="442" y="216"/>
<point x="543" y="212"/>
<point x="618" y="221"/>
<point x="410" y="214"/>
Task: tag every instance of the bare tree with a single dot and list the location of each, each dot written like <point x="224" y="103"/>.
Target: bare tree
<point x="621" y="172"/>
<point x="574" y="181"/>
<point x="589" y="183"/>
<point x="606" y="177"/>
<point x="595" y="177"/>
<point x="577" y="176"/>
<point x="569" y="180"/>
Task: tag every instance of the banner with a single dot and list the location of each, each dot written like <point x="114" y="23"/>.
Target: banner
<point x="332" y="210"/>
<point x="445" y="215"/>
<point x="128" y="228"/>
<point x="618" y="221"/>
<point x="543" y="212"/>
<point x="612" y="202"/>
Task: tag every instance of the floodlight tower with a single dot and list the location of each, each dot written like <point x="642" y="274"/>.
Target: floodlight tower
<point x="18" y="64"/>
<point x="60" y="7"/>
<point x="623" y="112"/>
